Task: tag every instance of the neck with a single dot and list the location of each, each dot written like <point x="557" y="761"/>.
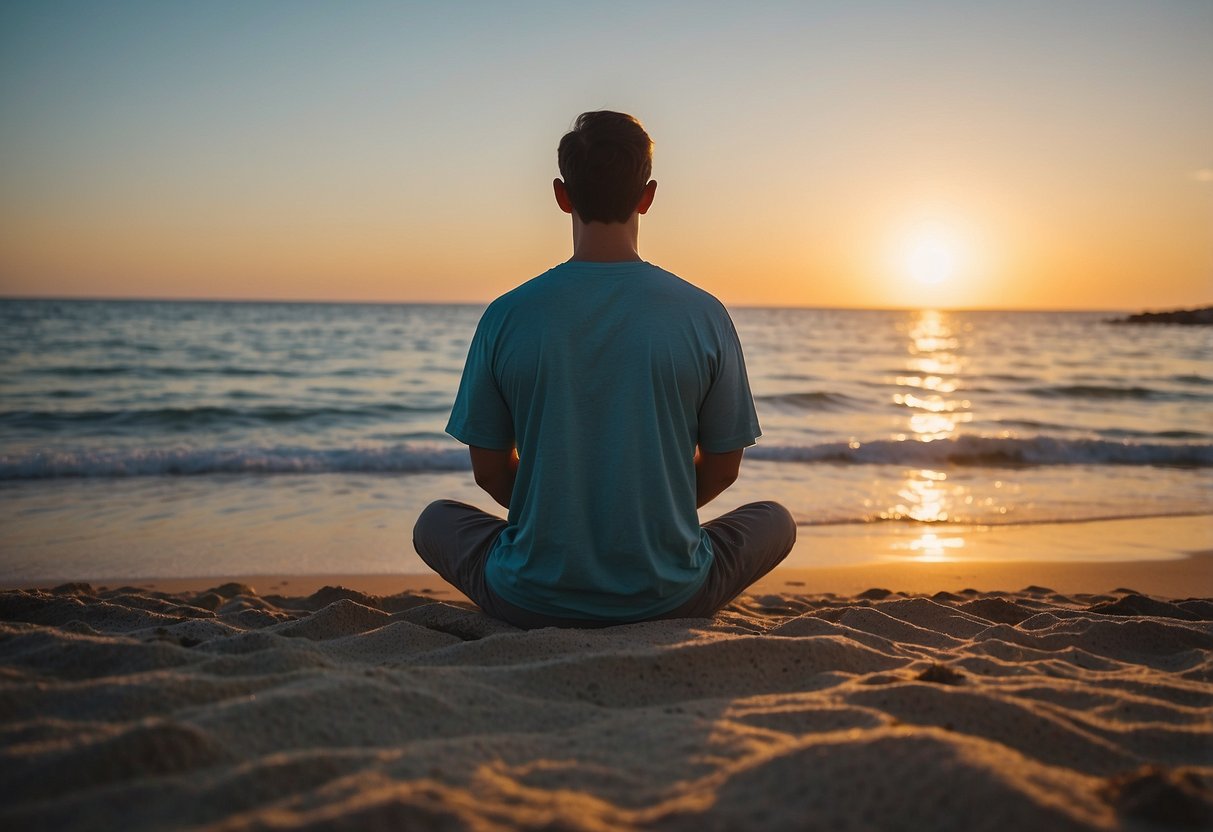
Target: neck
<point x="606" y="242"/>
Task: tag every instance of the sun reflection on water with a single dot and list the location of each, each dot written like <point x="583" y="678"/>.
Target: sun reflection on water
<point x="934" y="364"/>
<point x="924" y="498"/>
<point x="930" y="547"/>
<point x="933" y="412"/>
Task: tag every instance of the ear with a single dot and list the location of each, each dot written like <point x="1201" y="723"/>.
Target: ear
<point x="562" y="196"/>
<point x="646" y="197"/>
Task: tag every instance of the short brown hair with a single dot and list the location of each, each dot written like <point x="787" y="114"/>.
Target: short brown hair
<point x="605" y="160"/>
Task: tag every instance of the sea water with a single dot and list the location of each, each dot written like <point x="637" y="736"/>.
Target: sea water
<point x="167" y="439"/>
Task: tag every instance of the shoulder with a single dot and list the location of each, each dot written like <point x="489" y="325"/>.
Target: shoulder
<point x="520" y="297"/>
<point x="698" y="303"/>
<point x="525" y="293"/>
<point x="687" y="292"/>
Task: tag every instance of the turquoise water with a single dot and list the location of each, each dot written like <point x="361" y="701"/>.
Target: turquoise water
<point x="173" y="438"/>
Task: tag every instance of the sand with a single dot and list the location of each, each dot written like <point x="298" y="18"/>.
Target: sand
<point x="227" y="708"/>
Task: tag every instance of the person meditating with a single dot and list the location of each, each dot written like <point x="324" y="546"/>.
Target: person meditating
<point x="603" y="402"/>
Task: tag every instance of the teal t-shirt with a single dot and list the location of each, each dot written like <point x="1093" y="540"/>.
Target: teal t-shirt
<point x="605" y="376"/>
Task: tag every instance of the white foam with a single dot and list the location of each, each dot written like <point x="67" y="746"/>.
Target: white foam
<point x="993" y="452"/>
<point x="190" y="461"/>
<point x="975" y="451"/>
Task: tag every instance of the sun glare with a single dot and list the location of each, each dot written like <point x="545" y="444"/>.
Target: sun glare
<point x="931" y="256"/>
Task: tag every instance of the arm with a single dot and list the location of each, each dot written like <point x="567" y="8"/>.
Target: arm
<point x="714" y="473"/>
<point x="495" y="472"/>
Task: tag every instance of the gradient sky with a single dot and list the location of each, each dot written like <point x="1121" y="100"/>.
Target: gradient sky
<point x="1054" y="154"/>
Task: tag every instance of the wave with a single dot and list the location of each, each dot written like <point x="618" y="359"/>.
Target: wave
<point x="188" y="418"/>
<point x="414" y="459"/>
<point x="1103" y="391"/>
<point x="145" y="371"/>
<point x="202" y="370"/>
<point x="999" y="521"/>
<point x="981" y="451"/>
<point x="193" y="461"/>
<point x="815" y="400"/>
<point x="1107" y="433"/>
<point x="1007" y="377"/>
<point x="1030" y="424"/>
<point x="1129" y="433"/>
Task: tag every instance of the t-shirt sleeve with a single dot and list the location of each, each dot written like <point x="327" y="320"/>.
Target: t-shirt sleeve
<point x="727" y="419"/>
<point x="480" y="416"/>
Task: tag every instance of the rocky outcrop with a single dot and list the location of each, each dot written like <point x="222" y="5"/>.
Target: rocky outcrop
<point x="1190" y="317"/>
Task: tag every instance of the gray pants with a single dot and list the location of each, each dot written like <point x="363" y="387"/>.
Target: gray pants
<point x="454" y="539"/>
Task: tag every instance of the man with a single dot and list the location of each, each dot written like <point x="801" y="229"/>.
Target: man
<point x="603" y="402"/>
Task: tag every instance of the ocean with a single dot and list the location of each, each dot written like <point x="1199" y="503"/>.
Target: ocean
<point x="175" y="439"/>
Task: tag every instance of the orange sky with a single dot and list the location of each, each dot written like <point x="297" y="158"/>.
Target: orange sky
<point x="1051" y="156"/>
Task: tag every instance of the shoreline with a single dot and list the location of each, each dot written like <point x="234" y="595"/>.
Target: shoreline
<point x="1186" y="577"/>
<point x="1169" y="557"/>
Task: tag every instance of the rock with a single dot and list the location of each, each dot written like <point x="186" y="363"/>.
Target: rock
<point x="1188" y="317"/>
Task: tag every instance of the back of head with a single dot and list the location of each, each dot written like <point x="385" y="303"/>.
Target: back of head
<point x="605" y="161"/>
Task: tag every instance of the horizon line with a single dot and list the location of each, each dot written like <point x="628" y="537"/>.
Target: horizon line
<point x="385" y="302"/>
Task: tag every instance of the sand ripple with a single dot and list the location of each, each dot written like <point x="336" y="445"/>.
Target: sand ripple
<point x="227" y="710"/>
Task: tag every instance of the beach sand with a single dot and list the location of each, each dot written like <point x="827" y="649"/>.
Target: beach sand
<point x="928" y="700"/>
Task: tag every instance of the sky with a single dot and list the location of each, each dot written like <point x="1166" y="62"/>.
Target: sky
<point x="858" y="154"/>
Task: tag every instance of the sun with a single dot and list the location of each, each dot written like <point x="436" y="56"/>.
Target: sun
<point x="930" y="256"/>
<point x="934" y="259"/>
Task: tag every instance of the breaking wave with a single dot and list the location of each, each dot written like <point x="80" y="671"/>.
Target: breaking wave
<point x="971" y="451"/>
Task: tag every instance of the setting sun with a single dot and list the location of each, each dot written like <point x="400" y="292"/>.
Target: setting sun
<point x="939" y="259"/>
<point x="931" y="256"/>
<point x="931" y="261"/>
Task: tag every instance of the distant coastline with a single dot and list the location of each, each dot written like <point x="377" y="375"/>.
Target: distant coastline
<point x="1188" y="317"/>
